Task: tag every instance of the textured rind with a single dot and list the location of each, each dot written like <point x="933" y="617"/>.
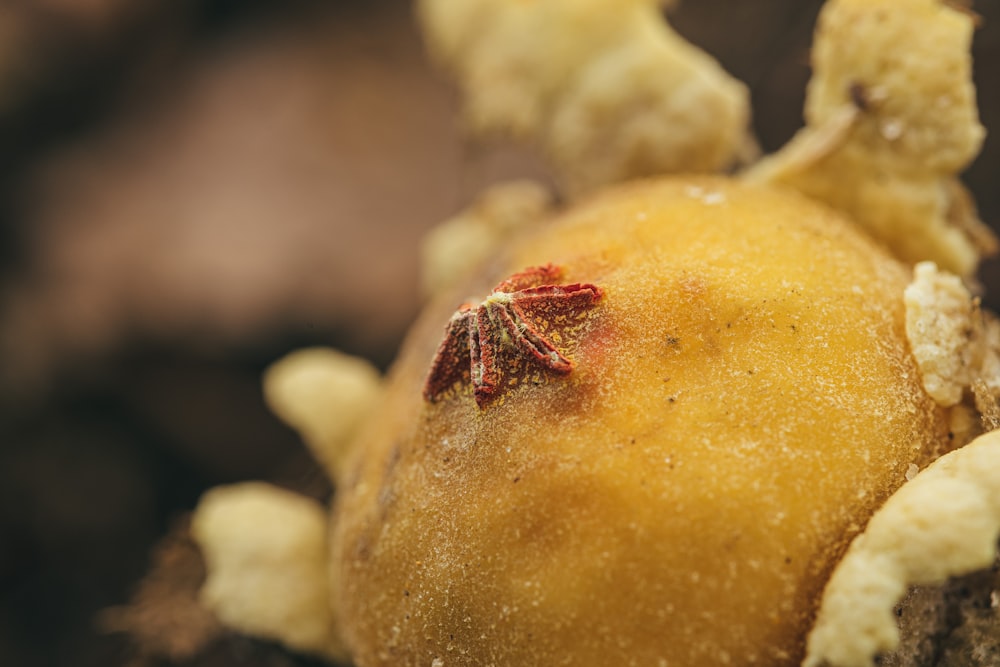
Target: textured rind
<point x="605" y="87"/>
<point x="743" y="400"/>
<point x="889" y="128"/>
<point x="942" y="524"/>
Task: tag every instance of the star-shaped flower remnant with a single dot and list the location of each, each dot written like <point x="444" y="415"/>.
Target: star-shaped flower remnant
<point x="512" y="337"/>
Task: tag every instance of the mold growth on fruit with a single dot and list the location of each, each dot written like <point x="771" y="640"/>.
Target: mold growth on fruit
<point x="815" y="359"/>
<point x="606" y="88"/>
<point x="943" y="523"/>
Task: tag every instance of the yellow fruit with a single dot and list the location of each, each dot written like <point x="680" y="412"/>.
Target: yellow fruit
<point x="743" y="398"/>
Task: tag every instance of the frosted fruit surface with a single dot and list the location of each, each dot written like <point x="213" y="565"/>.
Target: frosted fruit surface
<point x="743" y="399"/>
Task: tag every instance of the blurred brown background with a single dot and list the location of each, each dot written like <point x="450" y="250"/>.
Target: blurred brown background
<point x="190" y="189"/>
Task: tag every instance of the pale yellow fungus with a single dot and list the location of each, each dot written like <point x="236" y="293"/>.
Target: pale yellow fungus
<point x="940" y="322"/>
<point x="266" y="556"/>
<point x="943" y="523"/>
<point x="605" y="87"/>
<point x="891" y="120"/>
<point x="460" y="245"/>
<point x="324" y="395"/>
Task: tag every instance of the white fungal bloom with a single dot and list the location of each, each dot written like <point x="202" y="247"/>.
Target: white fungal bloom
<point x="265" y="552"/>
<point x="940" y="324"/>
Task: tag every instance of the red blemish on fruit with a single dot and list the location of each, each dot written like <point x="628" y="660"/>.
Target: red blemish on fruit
<point x="518" y="333"/>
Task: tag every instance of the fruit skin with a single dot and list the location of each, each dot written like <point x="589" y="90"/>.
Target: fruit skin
<point x="744" y="399"/>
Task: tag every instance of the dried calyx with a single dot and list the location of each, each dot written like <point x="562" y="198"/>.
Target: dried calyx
<point x="521" y="330"/>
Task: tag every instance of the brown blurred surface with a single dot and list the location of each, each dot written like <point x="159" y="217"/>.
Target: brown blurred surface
<point x="189" y="190"/>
